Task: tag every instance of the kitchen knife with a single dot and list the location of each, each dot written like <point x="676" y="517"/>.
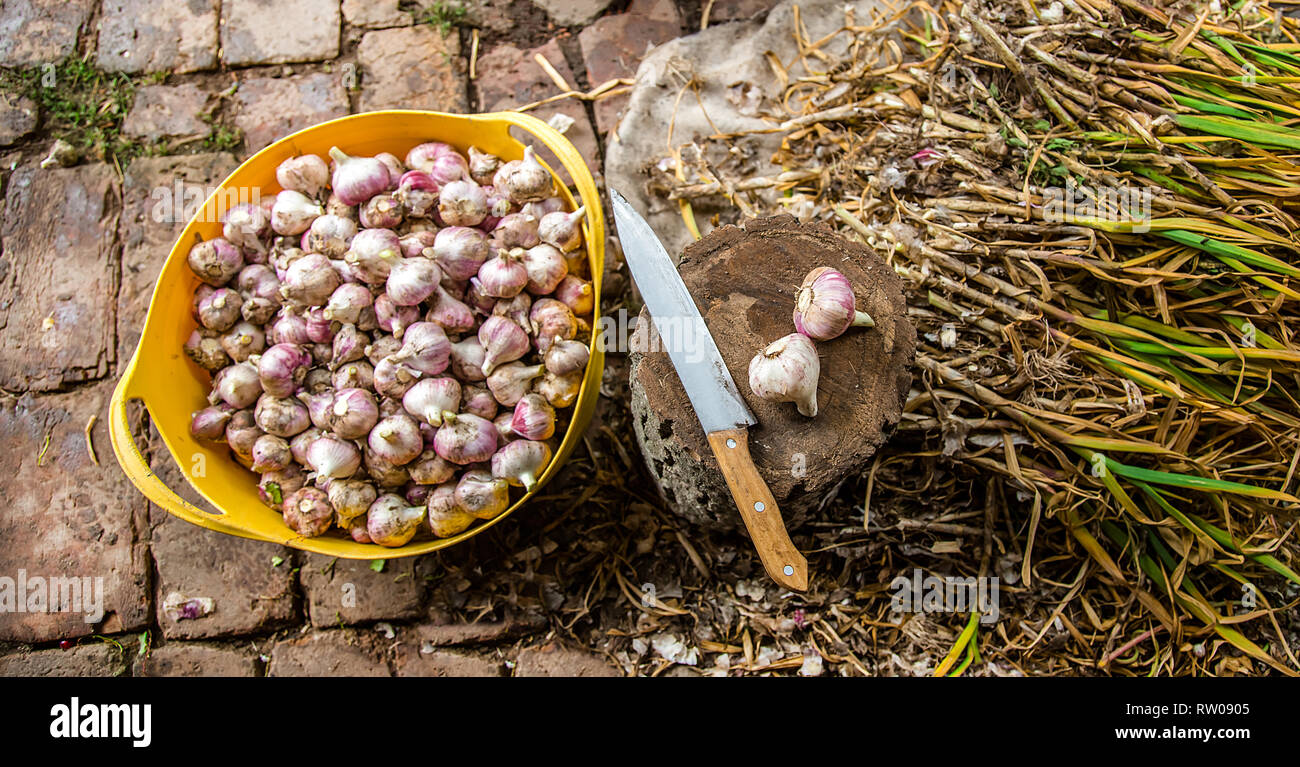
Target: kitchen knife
<point x="712" y="391"/>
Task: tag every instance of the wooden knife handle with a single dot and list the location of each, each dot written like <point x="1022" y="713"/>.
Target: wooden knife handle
<point x="781" y="559"/>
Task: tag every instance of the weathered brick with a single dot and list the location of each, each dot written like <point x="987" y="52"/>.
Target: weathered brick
<point x="155" y="36"/>
<point x="375" y="14"/>
<point x="17" y="117"/>
<point x="411" y="660"/>
<point x="272" y="108"/>
<point x="554" y="660"/>
<point x="443" y="631"/>
<point x="328" y="653"/>
<point x="613" y="46"/>
<point x="90" y="660"/>
<point x="58" y="276"/>
<point x="572" y="13"/>
<point x="159" y="194"/>
<point x="249" y="593"/>
<point x="285" y="31"/>
<point x="411" y="68"/>
<point x="348" y="591"/>
<point x="40" y="31"/>
<point x="193" y="659"/>
<point x="64" y="516"/>
<point x="509" y="78"/>
<point x="167" y="111"/>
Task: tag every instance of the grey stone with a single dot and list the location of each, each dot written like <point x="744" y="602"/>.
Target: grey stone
<point x="572" y="13"/>
<point x="285" y="31"/>
<point x="193" y="659"/>
<point x="412" y="661"/>
<point x="411" y="68"/>
<point x="348" y="591"/>
<point x="556" y="660"/>
<point x="272" y="108"/>
<point x="375" y="14"/>
<point x="328" y="653"/>
<point x="167" y="111"/>
<point x="155" y="36"/>
<point x="40" y="31"/>
<point x="58" y="277"/>
<point x="641" y="136"/>
<point x="89" y="660"/>
<point x="66" y="516"/>
<point x="17" y="117"/>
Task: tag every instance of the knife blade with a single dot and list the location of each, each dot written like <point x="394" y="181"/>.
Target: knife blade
<point x="712" y="391"/>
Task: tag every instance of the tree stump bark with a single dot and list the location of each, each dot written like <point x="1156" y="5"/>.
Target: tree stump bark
<point x="743" y="280"/>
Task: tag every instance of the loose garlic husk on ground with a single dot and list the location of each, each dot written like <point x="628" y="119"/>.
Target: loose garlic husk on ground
<point x="787" y="371"/>
<point x="825" y="306"/>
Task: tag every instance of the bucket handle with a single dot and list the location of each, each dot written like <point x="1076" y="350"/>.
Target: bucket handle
<point x="137" y="468"/>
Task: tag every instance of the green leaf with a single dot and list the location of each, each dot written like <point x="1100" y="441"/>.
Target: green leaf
<point x="377" y="565"/>
<point x="277" y="561"/>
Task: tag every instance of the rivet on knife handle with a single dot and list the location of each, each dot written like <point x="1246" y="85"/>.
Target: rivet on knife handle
<point x="758" y="509"/>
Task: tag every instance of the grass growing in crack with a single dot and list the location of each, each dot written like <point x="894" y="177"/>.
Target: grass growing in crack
<point x="82" y="105"/>
<point x="223" y="139"/>
<point x="443" y="16"/>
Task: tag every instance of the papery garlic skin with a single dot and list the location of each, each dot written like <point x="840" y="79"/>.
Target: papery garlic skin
<point x="825" y="306"/>
<point x="787" y="371"/>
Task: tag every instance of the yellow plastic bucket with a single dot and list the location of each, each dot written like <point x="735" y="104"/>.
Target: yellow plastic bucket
<point x="171" y="387"/>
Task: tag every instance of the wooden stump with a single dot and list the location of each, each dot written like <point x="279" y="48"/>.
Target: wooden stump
<point x="743" y="280"/>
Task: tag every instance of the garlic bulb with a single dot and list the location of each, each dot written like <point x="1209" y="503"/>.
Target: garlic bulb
<point x="564" y="356"/>
<point x="482" y="494"/>
<point x="390" y="522"/>
<point x="293" y="212"/>
<point x="533" y="418"/>
<point x="215" y="261"/>
<point x="825" y="305"/>
<point x="445" y="517"/>
<point x="428" y="399"/>
<point x="351" y="498"/>
<point x="509" y="382"/>
<point x="787" y="371"/>
<point x="502" y="340"/>
<point x="525" y="180"/>
<point x="271" y="453"/>
<point x="521" y="462"/>
<point x="307" y="512"/>
<point x="563" y="230"/>
<point x="307" y="174"/>
<point x="396" y="439"/>
<point x="332" y="457"/>
<point x="357" y="179"/>
<point x="464" y="438"/>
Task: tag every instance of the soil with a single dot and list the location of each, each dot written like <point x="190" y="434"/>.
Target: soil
<point x="744" y="280"/>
